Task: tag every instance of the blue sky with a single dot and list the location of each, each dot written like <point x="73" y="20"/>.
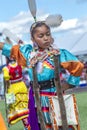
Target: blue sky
<point x="71" y="35"/>
<point x="68" y="8"/>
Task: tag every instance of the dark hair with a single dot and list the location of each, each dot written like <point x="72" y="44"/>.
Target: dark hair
<point x="37" y="24"/>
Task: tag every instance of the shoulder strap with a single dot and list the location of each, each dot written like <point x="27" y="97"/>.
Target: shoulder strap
<point x="59" y="92"/>
<point x="37" y="99"/>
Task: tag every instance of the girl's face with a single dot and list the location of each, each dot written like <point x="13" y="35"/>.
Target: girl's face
<point x="42" y="37"/>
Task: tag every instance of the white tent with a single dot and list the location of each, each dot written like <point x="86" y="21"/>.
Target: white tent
<point x="80" y="46"/>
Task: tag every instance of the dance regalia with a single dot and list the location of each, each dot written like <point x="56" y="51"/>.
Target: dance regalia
<point x="19" y="109"/>
<point x="45" y="72"/>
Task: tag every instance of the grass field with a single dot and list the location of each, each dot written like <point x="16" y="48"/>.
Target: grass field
<point x="82" y="106"/>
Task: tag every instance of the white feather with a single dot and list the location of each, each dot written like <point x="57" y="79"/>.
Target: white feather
<point x="54" y="20"/>
<point x="32" y="7"/>
<point x="11" y="35"/>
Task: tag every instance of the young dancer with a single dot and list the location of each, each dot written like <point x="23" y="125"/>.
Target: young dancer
<point x="41" y="54"/>
<point x="18" y="109"/>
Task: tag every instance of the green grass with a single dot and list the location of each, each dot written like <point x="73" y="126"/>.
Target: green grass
<point x="82" y="107"/>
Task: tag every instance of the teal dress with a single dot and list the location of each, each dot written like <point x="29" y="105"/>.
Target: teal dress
<point x="45" y="71"/>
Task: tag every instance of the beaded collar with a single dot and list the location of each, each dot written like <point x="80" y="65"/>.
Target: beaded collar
<point x="41" y="55"/>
